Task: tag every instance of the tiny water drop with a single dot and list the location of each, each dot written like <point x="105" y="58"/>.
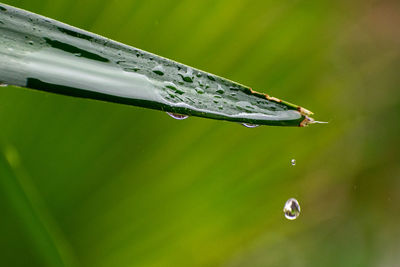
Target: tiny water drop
<point x="187" y="76"/>
<point x="210" y="77"/>
<point x="30" y="42"/>
<point x="172" y="86"/>
<point x="250" y="125"/>
<point x="291" y="209"/>
<point x="220" y="90"/>
<point x="177" y="116"/>
<point x="158" y="70"/>
<point x="199" y="90"/>
<point x="293" y="162"/>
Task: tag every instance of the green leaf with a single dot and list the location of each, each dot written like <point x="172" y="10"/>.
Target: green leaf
<point x="40" y="53"/>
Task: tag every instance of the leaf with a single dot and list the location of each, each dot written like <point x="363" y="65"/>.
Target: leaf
<point x="44" y="54"/>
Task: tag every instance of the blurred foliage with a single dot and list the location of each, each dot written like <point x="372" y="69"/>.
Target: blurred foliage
<point x="89" y="183"/>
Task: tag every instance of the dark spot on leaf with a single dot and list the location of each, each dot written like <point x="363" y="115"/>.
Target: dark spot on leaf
<point x="75" y="34"/>
<point x="75" y="50"/>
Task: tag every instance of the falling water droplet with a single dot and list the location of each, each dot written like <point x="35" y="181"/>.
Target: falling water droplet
<point x="291" y="209"/>
<point x="177" y="116"/>
<point x="293" y="162"/>
<point x="250" y="125"/>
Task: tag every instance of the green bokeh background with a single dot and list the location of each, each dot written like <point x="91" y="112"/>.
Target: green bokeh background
<point x="89" y="183"/>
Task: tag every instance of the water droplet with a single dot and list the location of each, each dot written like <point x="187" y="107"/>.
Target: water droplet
<point x="293" y="162"/>
<point x="30" y="42"/>
<point x="187" y="76"/>
<point x="291" y="209"/>
<point x="158" y="70"/>
<point x="177" y="116"/>
<point x="199" y="90"/>
<point x="172" y="86"/>
<point x="250" y="125"/>
<point x="210" y="77"/>
<point x="3" y="85"/>
<point x="220" y="90"/>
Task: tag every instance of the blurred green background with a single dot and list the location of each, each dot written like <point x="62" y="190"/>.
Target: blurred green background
<point x="89" y="183"/>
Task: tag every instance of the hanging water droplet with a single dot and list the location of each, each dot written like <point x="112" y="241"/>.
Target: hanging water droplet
<point x="250" y="125"/>
<point x="291" y="209"/>
<point x="293" y="162"/>
<point x="158" y="70"/>
<point x="177" y="116"/>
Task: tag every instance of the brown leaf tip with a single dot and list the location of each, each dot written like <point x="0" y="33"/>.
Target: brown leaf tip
<point x="307" y="121"/>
